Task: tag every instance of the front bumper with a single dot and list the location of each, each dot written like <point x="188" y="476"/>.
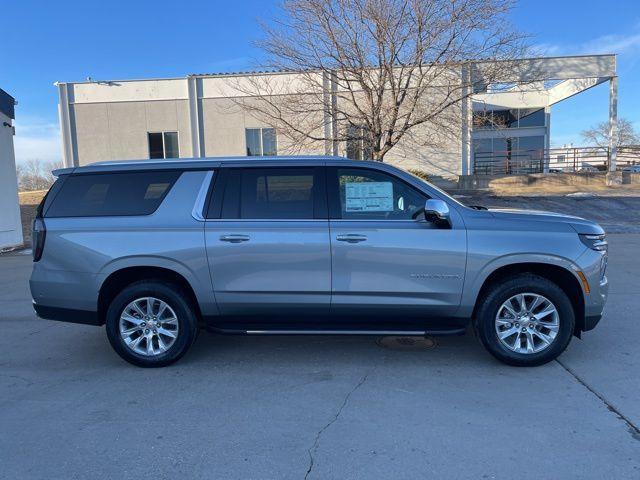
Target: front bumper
<point x="590" y="322"/>
<point x="593" y="264"/>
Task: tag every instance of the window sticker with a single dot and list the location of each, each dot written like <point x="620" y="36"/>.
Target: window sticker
<point x="369" y="196"/>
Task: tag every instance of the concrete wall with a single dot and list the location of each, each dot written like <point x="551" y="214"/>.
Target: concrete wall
<point x="10" y="223"/>
<point x="118" y="130"/>
<point x="223" y="130"/>
<point x="443" y="158"/>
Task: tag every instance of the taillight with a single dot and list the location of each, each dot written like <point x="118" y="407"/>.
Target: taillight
<point x="38" y="235"/>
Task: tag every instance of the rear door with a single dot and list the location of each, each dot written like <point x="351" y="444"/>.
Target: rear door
<point x="267" y="241"/>
<point x="386" y="259"/>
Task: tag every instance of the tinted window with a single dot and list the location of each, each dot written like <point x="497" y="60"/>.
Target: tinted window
<point x="272" y="193"/>
<point x="261" y="141"/>
<point x="358" y="146"/>
<point x="163" y="145"/>
<point x="138" y="193"/>
<point x="505" y="118"/>
<point x="532" y="117"/>
<point x="254" y="146"/>
<point x="372" y="195"/>
<point x="498" y="119"/>
<point x="156" y="147"/>
<point x="482" y="145"/>
<point x="531" y="143"/>
<point x="171" y="149"/>
<point x="269" y="143"/>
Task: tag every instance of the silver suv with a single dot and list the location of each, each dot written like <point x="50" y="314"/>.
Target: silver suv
<point x="155" y="250"/>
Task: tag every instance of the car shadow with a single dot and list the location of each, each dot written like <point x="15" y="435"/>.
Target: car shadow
<point x="331" y="349"/>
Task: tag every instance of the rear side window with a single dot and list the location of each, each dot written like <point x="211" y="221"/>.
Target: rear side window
<point x="112" y="194"/>
<point x="273" y="193"/>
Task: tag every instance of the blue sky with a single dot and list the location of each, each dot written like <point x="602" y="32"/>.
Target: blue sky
<point x="46" y="41"/>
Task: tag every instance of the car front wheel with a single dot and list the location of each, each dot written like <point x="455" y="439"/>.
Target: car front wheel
<point x="525" y="320"/>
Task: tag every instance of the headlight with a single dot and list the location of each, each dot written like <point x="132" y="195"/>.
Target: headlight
<point x="595" y="242"/>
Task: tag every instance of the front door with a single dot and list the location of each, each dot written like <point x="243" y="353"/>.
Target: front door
<point x="386" y="259"/>
<point x="268" y="241"/>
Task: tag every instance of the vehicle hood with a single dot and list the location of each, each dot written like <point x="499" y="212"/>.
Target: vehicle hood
<point x="580" y="225"/>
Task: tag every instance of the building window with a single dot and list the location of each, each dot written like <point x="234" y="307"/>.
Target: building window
<point x="514" y="118"/>
<point x="508" y="154"/>
<point x="261" y="142"/>
<point x="358" y="146"/>
<point x="163" y="145"/>
<point x="532" y="146"/>
<point x="531" y="117"/>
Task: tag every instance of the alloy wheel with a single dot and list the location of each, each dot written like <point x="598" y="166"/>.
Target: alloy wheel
<point x="148" y="326"/>
<point x="527" y="323"/>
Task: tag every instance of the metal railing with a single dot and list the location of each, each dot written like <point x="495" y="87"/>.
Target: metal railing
<point x="554" y="160"/>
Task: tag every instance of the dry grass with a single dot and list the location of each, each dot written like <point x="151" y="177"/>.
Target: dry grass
<point x="506" y="190"/>
<point x="32" y="198"/>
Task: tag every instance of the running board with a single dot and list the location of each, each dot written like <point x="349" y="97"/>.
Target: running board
<point x="407" y="333"/>
<point x="337" y="332"/>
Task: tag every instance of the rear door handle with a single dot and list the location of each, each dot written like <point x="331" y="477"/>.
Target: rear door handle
<point x="234" y="238"/>
<point x="351" y="238"/>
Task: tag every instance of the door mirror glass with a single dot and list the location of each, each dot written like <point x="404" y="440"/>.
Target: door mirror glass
<point x="437" y="211"/>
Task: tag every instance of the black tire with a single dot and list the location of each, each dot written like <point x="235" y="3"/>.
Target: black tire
<point x="497" y="294"/>
<point x="175" y="297"/>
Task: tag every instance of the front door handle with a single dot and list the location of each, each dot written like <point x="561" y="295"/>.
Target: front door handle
<point x="351" y="238"/>
<point x="234" y="238"/>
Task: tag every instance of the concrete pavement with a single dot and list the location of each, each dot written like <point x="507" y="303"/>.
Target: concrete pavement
<point x="317" y="407"/>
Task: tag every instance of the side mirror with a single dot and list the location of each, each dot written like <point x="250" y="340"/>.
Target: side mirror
<point x="437" y="211"/>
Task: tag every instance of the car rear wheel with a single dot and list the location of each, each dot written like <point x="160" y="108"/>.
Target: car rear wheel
<point x="151" y="324"/>
<point x="525" y="320"/>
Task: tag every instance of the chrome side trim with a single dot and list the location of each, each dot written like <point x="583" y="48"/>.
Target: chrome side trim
<point x="270" y="220"/>
<point x="337" y="332"/>
<point x="198" y="208"/>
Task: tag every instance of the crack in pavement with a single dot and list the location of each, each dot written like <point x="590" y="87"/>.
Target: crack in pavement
<point x="634" y="430"/>
<point x="312" y="450"/>
<point x="17" y="377"/>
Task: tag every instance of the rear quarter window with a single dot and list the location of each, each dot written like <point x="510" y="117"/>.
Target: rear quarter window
<point x="112" y="194"/>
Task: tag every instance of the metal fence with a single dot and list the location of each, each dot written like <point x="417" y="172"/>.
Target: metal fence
<point x="555" y="160"/>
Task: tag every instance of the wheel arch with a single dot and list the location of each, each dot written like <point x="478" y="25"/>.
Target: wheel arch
<point x="119" y="279"/>
<point x="562" y="276"/>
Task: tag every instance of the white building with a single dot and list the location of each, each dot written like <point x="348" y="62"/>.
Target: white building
<point x="196" y="116"/>
<point x="10" y="223"/>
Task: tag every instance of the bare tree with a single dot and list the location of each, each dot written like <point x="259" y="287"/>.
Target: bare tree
<point x="598" y="134"/>
<point x="370" y="71"/>
<point x="35" y="174"/>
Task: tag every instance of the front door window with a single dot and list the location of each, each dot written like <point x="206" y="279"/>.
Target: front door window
<point x="373" y="195"/>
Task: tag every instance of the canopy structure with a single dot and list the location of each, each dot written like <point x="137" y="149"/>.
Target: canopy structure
<point x="535" y="86"/>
